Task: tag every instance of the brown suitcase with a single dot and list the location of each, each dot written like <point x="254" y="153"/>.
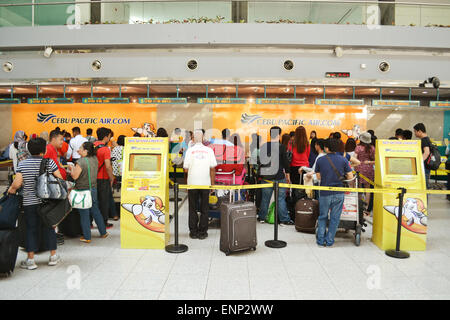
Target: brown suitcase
<point x="306" y="214"/>
<point x="237" y="226"/>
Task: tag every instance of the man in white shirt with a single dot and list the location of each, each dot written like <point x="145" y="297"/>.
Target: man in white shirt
<point x="199" y="163"/>
<point x="75" y="144"/>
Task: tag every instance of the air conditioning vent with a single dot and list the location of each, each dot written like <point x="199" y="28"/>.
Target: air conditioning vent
<point x="8" y="67"/>
<point x="288" y="65"/>
<point x="96" y="65"/>
<point x="384" y="66"/>
<point x="192" y="64"/>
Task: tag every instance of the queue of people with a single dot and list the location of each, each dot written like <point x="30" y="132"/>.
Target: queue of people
<point x="89" y="166"/>
<point x="285" y="158"/>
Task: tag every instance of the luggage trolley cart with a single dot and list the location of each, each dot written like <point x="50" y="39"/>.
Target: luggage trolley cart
<point x="352" y="217"/>
<point x="222" y="178"/>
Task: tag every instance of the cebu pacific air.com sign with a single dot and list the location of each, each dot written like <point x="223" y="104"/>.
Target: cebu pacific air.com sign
<point x="52" y="118"/>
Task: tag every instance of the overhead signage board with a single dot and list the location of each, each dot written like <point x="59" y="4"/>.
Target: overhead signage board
<point x="49" y="100"/>
<point x="340" y="102"/>
<point x="221" y="101"/>
<point x="9" y="101"/>
<point x="440" y="104"/>
<point x="105" y="100"/>
<point x="162" y="100"/>
<point x="396" y="103"/>
<point x="280" y="101"/>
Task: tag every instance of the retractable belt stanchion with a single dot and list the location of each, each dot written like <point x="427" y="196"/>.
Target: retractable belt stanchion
<point x="275" y="243"/>
<point x="175" y="181"/>
<point x="176" y="248"/>
<point x="397" y="253"/>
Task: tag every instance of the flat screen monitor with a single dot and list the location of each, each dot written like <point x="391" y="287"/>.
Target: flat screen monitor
<point x="401" y="165"/>
<point x="145" y="162"/>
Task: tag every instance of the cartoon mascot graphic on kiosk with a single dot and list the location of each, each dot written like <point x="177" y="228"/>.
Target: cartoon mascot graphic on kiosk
<point x="149" y="213"/>
<point x="147" y="130"/>
<point x="414" y="216"/>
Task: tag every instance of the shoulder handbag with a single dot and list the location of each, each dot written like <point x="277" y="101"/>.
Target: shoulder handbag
<point x="340" y="177"/>
<point x="82" y="199"/>
<point x="48" y="186"/>
<point x="52" y="212"/>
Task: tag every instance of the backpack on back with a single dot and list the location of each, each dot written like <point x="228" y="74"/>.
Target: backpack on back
<point x="434" y="159"/>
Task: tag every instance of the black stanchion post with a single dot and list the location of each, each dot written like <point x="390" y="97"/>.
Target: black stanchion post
<point x="175" y="181"/>
<point x="176" y="248"/>
<point x="275" y="243"/>
<point x="397" y="253"/>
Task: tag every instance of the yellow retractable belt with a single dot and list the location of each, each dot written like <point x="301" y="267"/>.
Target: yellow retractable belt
<point x="296" y="186"/>
<point x="226" y="187"/>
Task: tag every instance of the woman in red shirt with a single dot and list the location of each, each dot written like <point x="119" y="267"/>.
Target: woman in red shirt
<point x="300" y="155"/>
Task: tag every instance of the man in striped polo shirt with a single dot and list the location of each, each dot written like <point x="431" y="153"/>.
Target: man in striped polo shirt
<point x="27" y="173"/>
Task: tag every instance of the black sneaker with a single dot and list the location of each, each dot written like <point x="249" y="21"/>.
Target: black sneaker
<point x="193" y="235"/>
<point x="202" y="236"/>
<point x="287" y="223"/>
<point x="261" y="220"/>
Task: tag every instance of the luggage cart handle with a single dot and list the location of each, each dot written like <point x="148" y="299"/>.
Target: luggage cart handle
<point x="222" y="172"/>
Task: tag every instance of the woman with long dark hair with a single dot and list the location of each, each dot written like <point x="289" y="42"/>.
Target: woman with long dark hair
<point x="285" y="138"/>
<point x="85" y="168"/>
<point x="341" y="147"/>
<point x="365" y="153"/>
<point x="313" y="153"/>
<point x="300" y="156"/>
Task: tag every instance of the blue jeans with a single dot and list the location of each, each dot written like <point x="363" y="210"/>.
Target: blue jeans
<point x="265" y="199"/>
<point x="32" y="221"/>
<point x="335" y="203"/>
<point x="95" y="212"/>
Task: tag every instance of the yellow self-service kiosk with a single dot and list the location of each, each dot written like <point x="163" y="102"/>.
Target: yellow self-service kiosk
<point x="399" y="164"/>
<point x="144" y="212"/>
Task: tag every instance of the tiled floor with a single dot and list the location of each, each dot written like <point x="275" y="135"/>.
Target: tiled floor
<point x="101" y="270"/>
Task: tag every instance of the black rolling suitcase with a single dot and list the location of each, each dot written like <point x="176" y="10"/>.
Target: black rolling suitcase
<point x="71" y="225"/>
<point x="9" y="246"/>
<point x="237" y="226"/>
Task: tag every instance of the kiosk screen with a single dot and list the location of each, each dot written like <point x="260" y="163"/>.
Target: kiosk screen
<point x="145" y="162"/>
<point x="405" y="166"/>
